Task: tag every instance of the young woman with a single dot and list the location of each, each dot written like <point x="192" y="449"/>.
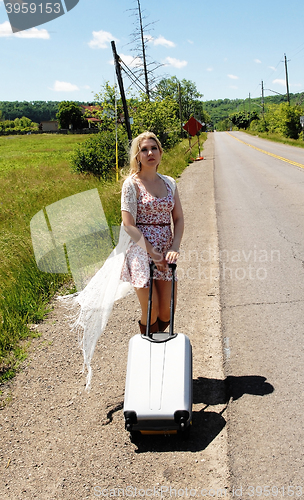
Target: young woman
<point x="150" y="203"/>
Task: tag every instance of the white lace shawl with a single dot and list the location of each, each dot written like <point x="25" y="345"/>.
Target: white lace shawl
<point x="96" y="300"/>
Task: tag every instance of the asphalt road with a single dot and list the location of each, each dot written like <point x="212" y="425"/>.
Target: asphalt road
<point x="260" y="213"/>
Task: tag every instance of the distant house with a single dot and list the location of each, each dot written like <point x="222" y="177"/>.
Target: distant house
<point x="90" y="113"/>
<point x="49" y="126"/>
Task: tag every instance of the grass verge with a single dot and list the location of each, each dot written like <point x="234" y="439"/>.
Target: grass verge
<point x="299" y="143"/>
<point x="34" y="173"/>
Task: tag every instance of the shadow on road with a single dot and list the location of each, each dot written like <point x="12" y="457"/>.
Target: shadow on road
<point x="207" y="424"/>
<point x="212" y="391"/>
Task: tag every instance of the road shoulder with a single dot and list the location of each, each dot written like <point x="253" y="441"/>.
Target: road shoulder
<point x="60" y="442"/>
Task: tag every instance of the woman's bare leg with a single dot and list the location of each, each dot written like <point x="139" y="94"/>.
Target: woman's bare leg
<point x="161" y="299"/>
<point x="143" y="295"/>
<point x="164" y="298"/>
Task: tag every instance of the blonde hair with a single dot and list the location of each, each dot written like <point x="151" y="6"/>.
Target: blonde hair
<point x="135" y="149"/>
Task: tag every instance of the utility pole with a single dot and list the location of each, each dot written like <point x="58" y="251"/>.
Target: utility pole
<point x="263" y="98"/>
<point x="249" y="108"/>
<point x="122" y="91"/>
<point x="180" y="108"/>
<point x="286" y="74"/>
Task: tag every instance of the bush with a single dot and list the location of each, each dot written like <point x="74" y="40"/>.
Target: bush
<point x="19" y="125"/>
<point x="97" y="155"/>
<point x="284" y="119"/>
<point x="258" y="125"/>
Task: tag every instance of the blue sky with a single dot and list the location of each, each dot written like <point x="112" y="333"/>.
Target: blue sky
<point x="225" y="47"/>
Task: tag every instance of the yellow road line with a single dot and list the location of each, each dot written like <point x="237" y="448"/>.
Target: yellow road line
<point x="267" y="152"/>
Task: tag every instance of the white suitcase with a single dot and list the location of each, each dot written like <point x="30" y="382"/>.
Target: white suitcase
<point x="158" y="391"/>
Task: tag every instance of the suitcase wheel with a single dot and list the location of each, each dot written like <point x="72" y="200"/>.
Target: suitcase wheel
<point x="130" y="420"/>
<point x="135" y="436"/>
<point x="181" y="417"/>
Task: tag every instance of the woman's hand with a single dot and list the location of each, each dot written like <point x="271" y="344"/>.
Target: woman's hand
<point x="172" y="256"/>
<point x="159" y="260"/>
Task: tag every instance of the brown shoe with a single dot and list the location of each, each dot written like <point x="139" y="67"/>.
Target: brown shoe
<point x="153" y="328"/>
<point x="163" y="325"/>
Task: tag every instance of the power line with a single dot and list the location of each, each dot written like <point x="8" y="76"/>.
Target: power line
<point x="134" y="79"/>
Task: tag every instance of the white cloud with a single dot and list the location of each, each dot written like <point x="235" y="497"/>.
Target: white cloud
<point x="233" y="77"/>
<point x="162" y="41"/>
<point x="233" y="87"/>
<point x="273" y="68"/>
<point x="257" y="61"/>
<point x="176" y="63"/>
<point x="6" y="31"/>
<point x="130" y="61"/>
<point x="190" y="41"/>
<point x="101" y="39"/>
<point x="280" y="82"/>
<point x="33" y="33"/>
<point x="64" y="87"/>
<point x="209" y="69"/>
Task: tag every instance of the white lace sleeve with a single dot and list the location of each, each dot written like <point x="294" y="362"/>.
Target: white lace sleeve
<point x="129" y="198"/>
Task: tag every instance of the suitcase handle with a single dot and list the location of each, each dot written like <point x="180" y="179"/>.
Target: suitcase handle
<point x="171" y="328"/>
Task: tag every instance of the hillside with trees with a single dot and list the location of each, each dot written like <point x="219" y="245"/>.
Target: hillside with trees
<point x="171" y="98"/>
<point x="36" y="111"/>
<point x="192" y="103"/>
<point x="220" y="110"/>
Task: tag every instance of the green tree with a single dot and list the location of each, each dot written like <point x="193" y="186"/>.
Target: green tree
<point x="188" y="95"/>
<point x="70" y="114"/>
<point x="284" y="119"/>
<point x="158" y="116"/>
<point x="240" y="119"/>
<point x="110" y="106"/>
<point x="223" y="125"/>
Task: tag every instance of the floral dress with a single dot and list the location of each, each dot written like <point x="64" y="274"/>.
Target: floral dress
<point x="153" y="219"/>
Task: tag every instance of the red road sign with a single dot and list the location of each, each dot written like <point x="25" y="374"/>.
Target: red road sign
<point x="192" y="126"/>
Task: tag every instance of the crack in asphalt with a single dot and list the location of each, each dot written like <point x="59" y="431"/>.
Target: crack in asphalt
<point x="264" y="303"/>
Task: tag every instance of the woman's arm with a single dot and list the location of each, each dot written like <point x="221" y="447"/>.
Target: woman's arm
<point x="138" y="237"/>
<point x="178" y="222"/>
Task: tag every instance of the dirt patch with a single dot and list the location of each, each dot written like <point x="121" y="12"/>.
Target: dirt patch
<point x="59" y="442"/>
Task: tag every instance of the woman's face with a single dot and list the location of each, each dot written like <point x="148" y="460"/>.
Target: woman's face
<point x="149" y="154"/>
